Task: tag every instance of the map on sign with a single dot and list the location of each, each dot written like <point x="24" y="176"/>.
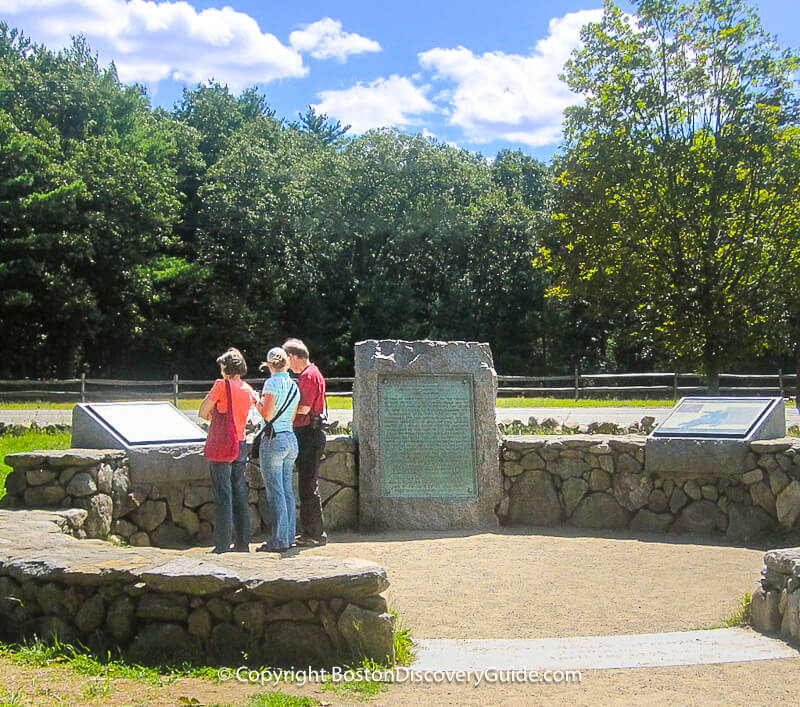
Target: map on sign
<point x="732" y="418"/>
<point x="147" y="423"/>
<point x="426" y="436"/>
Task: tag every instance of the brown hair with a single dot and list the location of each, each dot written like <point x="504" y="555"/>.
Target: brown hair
<point x="232" y="362"/>
<point x="295" y="347"/>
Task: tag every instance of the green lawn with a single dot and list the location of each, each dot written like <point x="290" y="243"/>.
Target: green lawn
<point x="346" y="403"/>
<point x="30" y="441"/>
<point x="334" y="403"/>
<point x="572" y="403"/>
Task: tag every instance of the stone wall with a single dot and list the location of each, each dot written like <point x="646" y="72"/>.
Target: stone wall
<point x="164" y="606"/>
<point x="594" y="481"/>
<point x="776" y="602"/>
<point x="163" y="513"/>
<point x="588" y="481"/>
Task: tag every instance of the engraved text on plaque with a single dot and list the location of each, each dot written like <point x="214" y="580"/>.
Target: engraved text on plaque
<point x="427" y="436"/>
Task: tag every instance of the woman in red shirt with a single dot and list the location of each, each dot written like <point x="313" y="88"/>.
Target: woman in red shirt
<point x="228" y="480"/>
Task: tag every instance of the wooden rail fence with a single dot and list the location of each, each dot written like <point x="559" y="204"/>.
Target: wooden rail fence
<point x="663" y="385"/>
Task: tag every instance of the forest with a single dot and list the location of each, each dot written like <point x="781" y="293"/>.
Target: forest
<point x="140" y="242"/>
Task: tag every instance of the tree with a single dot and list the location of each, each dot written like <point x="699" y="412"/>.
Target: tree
<point x="216" y="114"/>
<point x="86" y="203"/>
<point x="326" y="129"/>
<point x="522" y="177"/>
<point x="667" y="201"/>
<point x="42" y="308"/>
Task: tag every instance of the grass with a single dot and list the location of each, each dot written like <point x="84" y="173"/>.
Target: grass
<point x="103" y="670"/>
<point x="360" y="685"/>
<point x="99" y="687"/>
<point x="740" y="617"/>
<point x="346" y="403"/>
<point x="40" y="655"/>
<point x="81" y="660"/>
<point x="280" y="699"/>
<point x="582" y="403"/>
<point x="334" y="403"/>
<point x="10" y="699"/>
<point x="743" y="615"/>
<point x="403" y="642"/>
<point x="26" y="442"/>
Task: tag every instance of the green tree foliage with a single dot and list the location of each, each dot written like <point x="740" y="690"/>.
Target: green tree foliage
<point x="38" y="196"/>
<point x="140" y="242"/>
<point x="677" y="185"/>
<point x="83" y="210"/>
<point x="327" y="130"/>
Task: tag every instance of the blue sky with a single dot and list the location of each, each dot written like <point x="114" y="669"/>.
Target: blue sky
<point x="479" y="74"/>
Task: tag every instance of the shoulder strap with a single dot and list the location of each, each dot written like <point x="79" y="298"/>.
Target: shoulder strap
<point x="286" y="403"/>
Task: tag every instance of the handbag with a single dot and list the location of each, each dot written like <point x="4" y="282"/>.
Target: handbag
<point x="267" y="430"/>
<point x="222" y="442"/>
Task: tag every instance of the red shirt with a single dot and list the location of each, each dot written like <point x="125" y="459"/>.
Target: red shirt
<point x="243" y="397"/>
<point x="312" y="393"/>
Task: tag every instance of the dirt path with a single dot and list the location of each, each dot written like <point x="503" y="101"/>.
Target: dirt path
<point x="554" y="584"/>
<point x="523" y="584"/>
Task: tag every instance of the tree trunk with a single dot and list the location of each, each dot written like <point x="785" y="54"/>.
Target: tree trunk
<point x="712" y="377"/>
<point x="68" y="355"/>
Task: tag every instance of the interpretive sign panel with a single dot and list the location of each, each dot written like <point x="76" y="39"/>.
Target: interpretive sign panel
<point x="427" y="436"/>
<point x="142" y="423"/>
<point x="712" y="435"/>
<point x="717" y="418"/>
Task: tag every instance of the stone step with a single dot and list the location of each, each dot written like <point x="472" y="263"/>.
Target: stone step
<point x="726" y="645"/>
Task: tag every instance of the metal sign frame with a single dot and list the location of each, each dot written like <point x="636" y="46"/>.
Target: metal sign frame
<point x="190" y="432"/>
<point x="714" y="415"/>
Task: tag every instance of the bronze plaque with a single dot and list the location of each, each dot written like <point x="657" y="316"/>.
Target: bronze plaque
<point x="426" y="436"/>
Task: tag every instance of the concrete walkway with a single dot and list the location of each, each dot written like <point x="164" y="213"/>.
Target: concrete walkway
<point x="654" y="650"/>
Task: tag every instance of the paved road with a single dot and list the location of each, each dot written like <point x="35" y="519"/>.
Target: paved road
<point x="581" y="416"/>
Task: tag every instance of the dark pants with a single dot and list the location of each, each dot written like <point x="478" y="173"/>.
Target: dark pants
<point x="229" y="485"/>
<point x="311" y="445"/>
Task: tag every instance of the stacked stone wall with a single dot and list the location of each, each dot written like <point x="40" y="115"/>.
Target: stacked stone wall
<point x="588" y="481"/>
<point x="164" y="606"/>
<point x="776" y="602"/>
<point x="167" y="513"/>
<point x="594" y="481"/>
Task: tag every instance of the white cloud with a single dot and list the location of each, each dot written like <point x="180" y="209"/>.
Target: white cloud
<point x="395" y="101"/>
<point x="325" y="39"/>
<point x="509" y="96"/>
<point x="152" y="41"/>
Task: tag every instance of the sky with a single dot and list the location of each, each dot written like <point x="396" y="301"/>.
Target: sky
<point x="482" y="75"/>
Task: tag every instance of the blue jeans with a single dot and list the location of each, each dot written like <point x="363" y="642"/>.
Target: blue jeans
<point x="277" y="458"/>
<point x="229" y="483"/>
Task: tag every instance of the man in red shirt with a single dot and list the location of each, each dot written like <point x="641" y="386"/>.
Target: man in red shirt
<point x="310" y="441"/>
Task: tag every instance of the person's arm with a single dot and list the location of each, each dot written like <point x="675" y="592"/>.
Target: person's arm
<point x="308" y="393"/>
<point x="208" y="404"/>
<point x="267" y="409"/>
